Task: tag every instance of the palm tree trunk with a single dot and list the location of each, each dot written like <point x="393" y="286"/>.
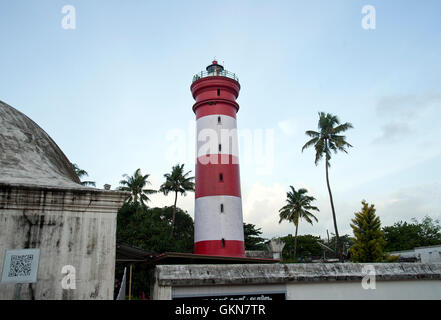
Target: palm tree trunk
<point x="135" y="197"/>
<point x="333" y="211"/>
<point x="295" y="242"/>
<point x="174" y="214"/>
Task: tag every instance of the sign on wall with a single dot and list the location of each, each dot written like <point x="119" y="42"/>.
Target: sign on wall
<point x="236" y="297"/>
<point x="20" y="266"/>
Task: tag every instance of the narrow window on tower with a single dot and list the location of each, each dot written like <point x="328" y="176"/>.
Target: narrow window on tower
<point x="218" y="92"/>
<point x="223" y="243"/>
<point x="220" y="147"/>
<point x="221" y="177"/>
<point x="222" y="207"/>
<point x="219" y="120"/>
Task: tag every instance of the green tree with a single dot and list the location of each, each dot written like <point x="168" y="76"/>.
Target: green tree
<point x="136" y="185"/>
<point x="407" y="236"/>
<point x="83" y="173"/>
<point x="149" y="229"/>
<point x="345" y="240"/>
<point x="178" y="182"/>
<point x="368" y="237"/>
<point x="430" y="233"/>
<point x="307" y="247"/>
<point x="298" y="207"/>
<point x="252" y="238"/>
<point x="326" y="140"/>
<point x="402" y="236"/>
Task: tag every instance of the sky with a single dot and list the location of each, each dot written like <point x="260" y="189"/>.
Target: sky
<point x="114" y="93"/>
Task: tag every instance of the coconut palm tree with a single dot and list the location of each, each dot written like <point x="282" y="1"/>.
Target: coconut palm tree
<point x="328" y="139"/>
<point x="83" y="173"/>
<point x="136" y="185"/>
<point x="298" y="207"/>
<point x="178" y="182"/>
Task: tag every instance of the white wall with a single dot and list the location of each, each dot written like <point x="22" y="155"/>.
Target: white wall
<point x="70" y="227"/>
<point x="385" y="290"/>
<point x="318" y="281"/>
<point x="429" y="254"/>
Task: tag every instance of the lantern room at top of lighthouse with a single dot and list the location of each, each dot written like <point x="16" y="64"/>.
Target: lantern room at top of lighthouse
<point x="215" y="85"/>
<point x="215" y="70"/>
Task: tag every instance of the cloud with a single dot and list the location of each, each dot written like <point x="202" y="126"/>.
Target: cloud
<point x="406" y="106"/>
<point x="261" y="205"/>
<point x="401" y="112"/>
<point x="288" y="126"/>
<point x="407" y="203"/>
<point x="393" y="132"/>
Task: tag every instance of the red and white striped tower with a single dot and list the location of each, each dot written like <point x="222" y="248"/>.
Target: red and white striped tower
<point x="218" y="206"/>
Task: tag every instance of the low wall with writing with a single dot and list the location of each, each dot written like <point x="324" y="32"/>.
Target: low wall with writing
<point x="299" y="281"/>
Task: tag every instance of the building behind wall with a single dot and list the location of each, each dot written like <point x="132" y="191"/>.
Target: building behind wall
<point x="44" y="206"/>
<point x="429" y="254"/>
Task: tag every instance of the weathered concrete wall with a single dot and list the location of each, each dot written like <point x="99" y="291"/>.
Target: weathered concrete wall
<point x="300" y="281"/>
<point x="71" y="227"/>
<point x="258" y="254"/>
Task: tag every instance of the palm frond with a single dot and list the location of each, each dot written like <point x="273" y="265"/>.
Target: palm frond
<point x="310" y="143"/>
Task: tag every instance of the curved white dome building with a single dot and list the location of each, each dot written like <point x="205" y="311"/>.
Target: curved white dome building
<point x="43" y="206"/>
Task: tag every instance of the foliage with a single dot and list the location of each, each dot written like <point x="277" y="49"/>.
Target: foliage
<point x="178" y="182"/>
<point x="298" y="207"/>
<point x="368" y="237"/>
<point x="83" y="173"/>
<point x="149" y="229"/>
<point x="406" y="236"/>
<point x="391" y="258"/>
<point x="345" y="240"/>
<point x="136" y="184"/>
<point x="307" y="247"/>
<point x="328" y="138"/>
<point x="252" y="238"/>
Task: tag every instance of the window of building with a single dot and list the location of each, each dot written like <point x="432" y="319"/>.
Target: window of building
<point x="223" y="243"/>
<point x="219" y="120"/>
<point x="220" y="147"/>
<point x="218" y="92"/>
<point x="222" y="207"/>
<point x="221" y="177"/>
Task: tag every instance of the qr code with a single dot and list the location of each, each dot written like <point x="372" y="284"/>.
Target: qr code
<point x="21" y="265"/>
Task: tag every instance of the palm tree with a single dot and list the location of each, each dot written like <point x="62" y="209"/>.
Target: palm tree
<point x="177" y="182"/>
<point x="136" y="184"/>
<point x="328" y="139"/>
<point x="83" y="173"/>
<point x="298" y="207"/>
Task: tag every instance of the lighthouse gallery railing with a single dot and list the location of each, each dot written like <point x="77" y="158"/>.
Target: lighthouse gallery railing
<point x="223" y="73"/>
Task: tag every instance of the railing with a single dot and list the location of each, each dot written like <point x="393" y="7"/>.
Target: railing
<point x="223" y="73"/>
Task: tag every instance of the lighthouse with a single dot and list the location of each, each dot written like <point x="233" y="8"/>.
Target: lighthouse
<point x="218" y="204"/>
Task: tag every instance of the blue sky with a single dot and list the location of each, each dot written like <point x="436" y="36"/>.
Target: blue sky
<point x="113" y="91"/>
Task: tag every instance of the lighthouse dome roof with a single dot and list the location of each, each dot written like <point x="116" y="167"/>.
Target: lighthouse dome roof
<point x="28" y="156"/>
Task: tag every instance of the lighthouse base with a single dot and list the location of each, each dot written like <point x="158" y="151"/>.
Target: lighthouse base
<point x="226" y="248"/>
